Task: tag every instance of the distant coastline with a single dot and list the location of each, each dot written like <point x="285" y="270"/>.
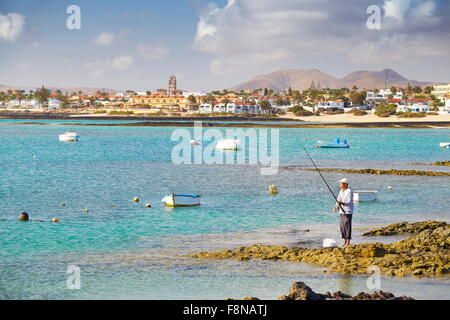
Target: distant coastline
<point x="225" y="121"/>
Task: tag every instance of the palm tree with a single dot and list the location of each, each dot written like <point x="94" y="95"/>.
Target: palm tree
<point x="42" y="96"/>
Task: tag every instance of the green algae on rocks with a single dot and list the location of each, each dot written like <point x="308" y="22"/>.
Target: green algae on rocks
<point x="405" y="227"/>
<point x="425" y="254"/>
<point x="394" y="172"/>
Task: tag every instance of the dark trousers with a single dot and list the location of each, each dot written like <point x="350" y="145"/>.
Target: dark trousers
<point x="346" y="226"/>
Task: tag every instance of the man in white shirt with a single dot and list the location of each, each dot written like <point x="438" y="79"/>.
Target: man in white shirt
<point x="345" y="207"/>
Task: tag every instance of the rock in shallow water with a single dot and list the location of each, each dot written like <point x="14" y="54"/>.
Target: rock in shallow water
<point x="300" y="291"/>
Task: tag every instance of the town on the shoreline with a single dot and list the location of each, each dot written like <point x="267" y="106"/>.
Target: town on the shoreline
<point x="409" y="102"/>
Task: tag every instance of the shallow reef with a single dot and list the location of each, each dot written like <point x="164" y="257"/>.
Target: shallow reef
<point x="425" y="253"/>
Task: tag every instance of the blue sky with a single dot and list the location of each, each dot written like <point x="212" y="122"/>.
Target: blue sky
<point x="216" y="44"/>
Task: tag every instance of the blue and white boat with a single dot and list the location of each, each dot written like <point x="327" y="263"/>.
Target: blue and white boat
<point x="338" y="144"/>
<point x="181" y="200"/>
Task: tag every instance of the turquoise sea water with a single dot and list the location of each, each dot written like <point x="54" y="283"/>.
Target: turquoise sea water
<point x="129" y="251"/>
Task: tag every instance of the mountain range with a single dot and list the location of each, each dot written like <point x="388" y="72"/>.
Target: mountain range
<point x="302" y="80"/>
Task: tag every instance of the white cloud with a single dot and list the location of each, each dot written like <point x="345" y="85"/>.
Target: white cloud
<point x="122" y="63"/>
<point x="152" y="51"/>
<point x="107" y="38"/>
<point x="396" y="9"/>
<point x="104" y="39"/>
<point x="11" y="26"/>
<point x="249" y="34"/>
<point x="99" y="67"/>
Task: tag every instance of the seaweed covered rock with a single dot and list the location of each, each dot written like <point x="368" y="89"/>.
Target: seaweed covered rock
<point x="424" y="254"/>
<point x="394" y="172"/>
<point x="405" y="227"/>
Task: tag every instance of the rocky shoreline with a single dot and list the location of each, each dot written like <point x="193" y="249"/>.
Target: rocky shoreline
<point x="425" y="253"/>
<point x="214" y="121"/>
<point x="300" y="291"/>
<point x="436" y="163"/>
<point x="394" y="172"/>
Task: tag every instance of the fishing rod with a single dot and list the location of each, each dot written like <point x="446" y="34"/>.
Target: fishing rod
<point x="320" y="173"/>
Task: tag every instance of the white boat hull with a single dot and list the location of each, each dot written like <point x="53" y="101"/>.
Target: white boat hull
<point x="444" y="144"/>
<point x="228" y="144"/>
<point x="177" y="200"/>
<point x="364" y="196"/>
<point x="69" y="137"/>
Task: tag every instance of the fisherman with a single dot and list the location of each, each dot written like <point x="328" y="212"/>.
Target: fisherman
<point x="345" y="206"/>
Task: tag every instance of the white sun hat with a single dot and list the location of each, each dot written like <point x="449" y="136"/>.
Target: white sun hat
<point x="344" y="180"/>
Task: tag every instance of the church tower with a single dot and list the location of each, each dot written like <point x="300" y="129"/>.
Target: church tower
<point x="172" y="85"/>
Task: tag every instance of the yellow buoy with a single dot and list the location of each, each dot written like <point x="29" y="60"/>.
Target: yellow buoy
<point x="55" y="220"/>
<point x="273" y="189"/>
<point x="85" y="210"/>
<point x="135" y="199"/>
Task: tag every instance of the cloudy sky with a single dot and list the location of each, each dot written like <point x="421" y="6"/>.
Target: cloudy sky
<point x="216" y="44"/>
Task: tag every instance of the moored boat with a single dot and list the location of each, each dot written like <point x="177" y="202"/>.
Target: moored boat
<point x="228" y="144"/>
<point x="69" y="136"/>
<point x="333" y="146"/>
<point x="365" y="195"/>
<point x="338" y="144"/>
<point x="181" y="200"/>
<point x="444" y="145"/>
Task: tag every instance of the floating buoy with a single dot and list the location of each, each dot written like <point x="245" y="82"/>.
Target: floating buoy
<point x="148" y="205"/>
<point x="389" y="188"/>
<point x="114" y="205"/>
<point x="55" y="220"/>
<point x="24" y="216"/>
<point x="135" y="199"/>
<point x="85" y="210"/>
<point x="273" y="189"/>
<point x="63" y="204"/>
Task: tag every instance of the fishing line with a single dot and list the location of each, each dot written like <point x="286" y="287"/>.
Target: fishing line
<point x="331" y="191"/>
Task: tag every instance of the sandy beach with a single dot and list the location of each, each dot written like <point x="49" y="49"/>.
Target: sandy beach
<point x="369" y="118"/>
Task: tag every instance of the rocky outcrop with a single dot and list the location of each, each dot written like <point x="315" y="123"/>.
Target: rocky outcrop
<point x="442" y="163"/>
<point x="425" y="254"/>
<point x="300" y="291"/>
<point x="405" y="227"/>
<point x="393" y="172"/>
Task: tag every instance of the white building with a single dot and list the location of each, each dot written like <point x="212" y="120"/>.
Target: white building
<point x="441" y="90"/>
<point x="187" y="94"/>
<point x="413" y="105"/>
<point x="446" y="108"/>
<point x="383" y="95"/>
<point x="331" y="105"/>
<point x="32" y="104"/>
<point x="236" y="108"/>
<point x="24" y="103"/>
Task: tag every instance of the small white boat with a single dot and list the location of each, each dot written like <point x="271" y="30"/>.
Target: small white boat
<point x="333" y="146"/>
<point x="444" y="145"/>
<point x="228" y="144"/>
<point x="194" y="142"/>
<point x="69" y="136"/>
<point x="181" y="200"/>
<point x="364" y="195"/>
<point x="338" y="144"/>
